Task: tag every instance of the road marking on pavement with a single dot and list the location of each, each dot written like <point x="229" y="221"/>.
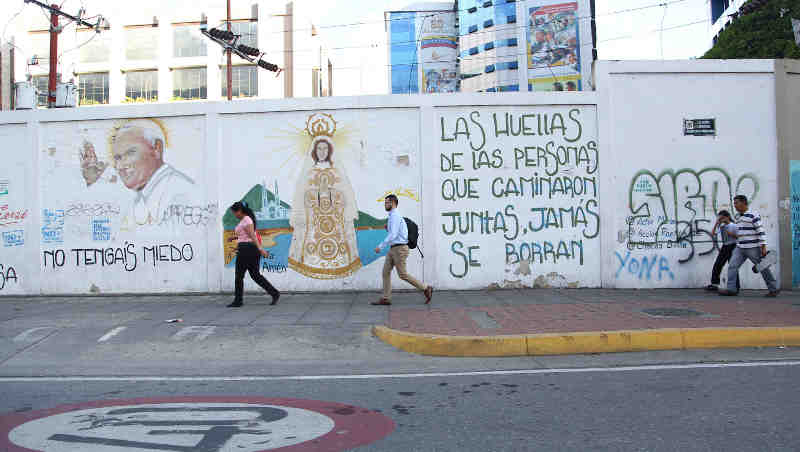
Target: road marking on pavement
<point x="31" y="334"/>
<point x="202" y="332"/>
<point x="416" y="375"/>
<point x="218" y="424"/>
<point x="112" y="333"/>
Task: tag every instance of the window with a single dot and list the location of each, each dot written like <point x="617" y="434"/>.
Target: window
<point x="41" y="84"/>
<point x="189" y="84"/>
<point x="244" y="81"/>
<point x="141" y="43"/>
<point x="94" y="47"/>
<point x="247" y="30"/>
<point x="141" y="86"/>
<point x="472" y="29"/>
<point x="93" y="88"/>
<point x="189" y="42"/>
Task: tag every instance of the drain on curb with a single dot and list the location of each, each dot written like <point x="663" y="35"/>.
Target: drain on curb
<point x="672" y="312"/>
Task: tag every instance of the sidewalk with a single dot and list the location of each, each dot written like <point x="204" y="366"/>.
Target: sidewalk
<point x="546" y="322"/>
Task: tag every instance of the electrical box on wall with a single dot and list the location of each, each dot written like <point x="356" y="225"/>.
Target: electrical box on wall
<point x="25" y="95"/>
<point x="66" y="94"/>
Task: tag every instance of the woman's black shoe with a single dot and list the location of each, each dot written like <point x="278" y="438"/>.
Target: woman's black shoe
<point x="275" y="299"/>
<point x="236" y="304"/>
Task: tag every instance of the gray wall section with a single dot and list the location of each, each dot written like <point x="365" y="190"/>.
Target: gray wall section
<point x="787" y="84"/>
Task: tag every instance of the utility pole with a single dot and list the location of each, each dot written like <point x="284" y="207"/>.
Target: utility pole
<point x="55" y="29"/>
<point x="230" y="69"/>
<point x="51" y="85"/>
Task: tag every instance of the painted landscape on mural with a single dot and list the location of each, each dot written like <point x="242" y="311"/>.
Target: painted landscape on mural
<point x="272" y="224"/>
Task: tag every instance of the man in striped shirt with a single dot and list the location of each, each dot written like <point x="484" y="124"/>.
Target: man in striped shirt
<point x="750" y="244"/>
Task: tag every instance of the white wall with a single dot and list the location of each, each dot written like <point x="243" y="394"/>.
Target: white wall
<point x="661" y="199"/>
<point x="596" y="148"/>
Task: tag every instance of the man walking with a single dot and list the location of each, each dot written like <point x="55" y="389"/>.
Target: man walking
<point x="726" y="227"/>
<point x="397" y="241"/>
<point x="751" y="245"/>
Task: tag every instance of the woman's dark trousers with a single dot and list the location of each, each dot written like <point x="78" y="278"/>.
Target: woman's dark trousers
<point x="247" y="260"/>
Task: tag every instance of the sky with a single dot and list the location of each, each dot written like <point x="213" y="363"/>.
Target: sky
<point x="354" y="31"/>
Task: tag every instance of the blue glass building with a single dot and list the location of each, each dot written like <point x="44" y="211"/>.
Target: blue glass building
<point x="403" y="56"/>
<point x="489" y="46"/>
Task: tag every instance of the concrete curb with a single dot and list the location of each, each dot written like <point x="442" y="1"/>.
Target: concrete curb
<point x="588" y="342"/>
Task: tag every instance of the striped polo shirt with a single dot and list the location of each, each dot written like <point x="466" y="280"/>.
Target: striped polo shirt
<point x="751" y="232"/>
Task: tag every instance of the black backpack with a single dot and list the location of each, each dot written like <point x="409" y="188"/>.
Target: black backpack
<point x="413" y="234"/>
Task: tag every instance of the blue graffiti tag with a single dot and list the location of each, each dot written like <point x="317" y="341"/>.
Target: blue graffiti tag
<point x="14" y="238"/>
<point x="101" y="230"/>
<point x="643" y="267"/>
<point x="53" y="226"/>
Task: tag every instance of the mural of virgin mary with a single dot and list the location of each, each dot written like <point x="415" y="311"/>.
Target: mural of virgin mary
<point x="323" y="213"/>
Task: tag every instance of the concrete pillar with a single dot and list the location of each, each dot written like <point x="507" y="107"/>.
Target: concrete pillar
<point x="787" y="103"/>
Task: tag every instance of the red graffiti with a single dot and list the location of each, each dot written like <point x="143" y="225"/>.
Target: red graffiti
<point x="8" y="217"/>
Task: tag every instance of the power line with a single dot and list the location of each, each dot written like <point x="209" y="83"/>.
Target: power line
<point x="436" y="13"/>
<point x="484" y="31"/>
<point x="5" y="28"/>
<point x="582" y="46"/>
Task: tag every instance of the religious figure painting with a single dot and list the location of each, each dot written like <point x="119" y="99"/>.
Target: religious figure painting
<point x="324" y="210"/>
<point x="318" y="229"/>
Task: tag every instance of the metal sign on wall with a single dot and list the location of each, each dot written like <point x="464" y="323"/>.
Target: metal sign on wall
<point x="699" y="127"/>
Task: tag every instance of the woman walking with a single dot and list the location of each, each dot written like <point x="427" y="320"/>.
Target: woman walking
<point x="247" y="254"/>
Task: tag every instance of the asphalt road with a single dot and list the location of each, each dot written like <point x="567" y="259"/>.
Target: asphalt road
<point x="686" y="409"/>
<point x="308" y="376"/>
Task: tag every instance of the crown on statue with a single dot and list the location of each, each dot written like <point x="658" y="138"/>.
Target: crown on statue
<point x="320" y="124"/>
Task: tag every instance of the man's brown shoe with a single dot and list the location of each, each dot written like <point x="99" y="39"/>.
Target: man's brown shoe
<point x="428" y="294"/>
<point x="381" y="302"/>
<point x="772" y="294"/>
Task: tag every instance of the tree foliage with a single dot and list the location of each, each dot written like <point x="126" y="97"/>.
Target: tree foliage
<point x="764" y="33"/>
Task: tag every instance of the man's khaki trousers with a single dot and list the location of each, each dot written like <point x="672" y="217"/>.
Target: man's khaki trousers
<point x="397" y="257"/>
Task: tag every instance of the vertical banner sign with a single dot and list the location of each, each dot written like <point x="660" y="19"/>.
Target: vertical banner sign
<point x="554" y="45"/>
<point x="794" y="168"/>
<point x="796" y="29"/>
<point x="438" y="52"/>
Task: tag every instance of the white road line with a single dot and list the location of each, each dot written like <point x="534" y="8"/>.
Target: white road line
<point x="31" y="336"/>
<point x="417" y="375"/>
<point x="202" y="332"/>
<point x="112" y="333"/>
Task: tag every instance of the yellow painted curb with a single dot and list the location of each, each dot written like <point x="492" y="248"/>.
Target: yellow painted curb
<point x="588" y="342"/>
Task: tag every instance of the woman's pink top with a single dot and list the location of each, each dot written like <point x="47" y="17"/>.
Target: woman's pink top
<point x="241" y="230"/>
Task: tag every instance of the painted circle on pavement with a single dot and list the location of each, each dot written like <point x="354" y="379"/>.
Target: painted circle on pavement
<point x="194" y="424"/>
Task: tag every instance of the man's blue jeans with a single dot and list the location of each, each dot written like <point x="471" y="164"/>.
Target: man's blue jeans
<point x="738" y="258"/>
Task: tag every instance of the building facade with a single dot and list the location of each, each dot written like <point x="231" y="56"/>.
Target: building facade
<point x="423" y="49"/>
<point x="503" y="45"/>
<point x="153" y="51"/>
<point x="722" y="13"/>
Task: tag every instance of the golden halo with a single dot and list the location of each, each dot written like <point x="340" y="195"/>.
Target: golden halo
<point x="115" y="130"/>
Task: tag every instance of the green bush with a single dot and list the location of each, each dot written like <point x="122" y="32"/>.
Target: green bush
<point x="764" y="33"/>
